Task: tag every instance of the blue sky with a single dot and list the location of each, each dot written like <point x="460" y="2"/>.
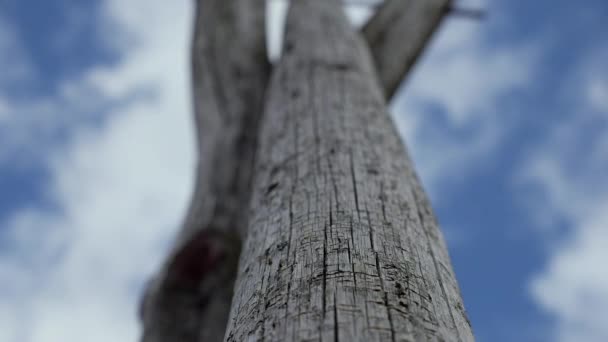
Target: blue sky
<point x="506" y="118"/>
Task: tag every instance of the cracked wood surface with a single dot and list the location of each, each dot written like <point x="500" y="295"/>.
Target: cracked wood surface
<point x="189" y="299"/>
<point x="342" y="242"/>
<point x="398" y="33"/>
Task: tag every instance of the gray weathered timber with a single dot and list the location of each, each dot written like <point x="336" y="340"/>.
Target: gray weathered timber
<point x="398" y="33"/>
<point x="342" y="242"/>
<point x="189" y="300"/>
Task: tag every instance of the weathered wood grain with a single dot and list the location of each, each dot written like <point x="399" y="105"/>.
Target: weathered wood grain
<point x="342" y="242"/>
<point x="189" y="300"/>
<point x="398" y="33"/>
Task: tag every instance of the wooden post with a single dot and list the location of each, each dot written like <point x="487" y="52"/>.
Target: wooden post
<point x="397" y="35"/>
<point x="189" y="299"/>
<point x="342" y="243"/>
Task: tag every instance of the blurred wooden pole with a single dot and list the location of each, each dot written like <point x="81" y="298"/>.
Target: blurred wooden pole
<point x="342" y="243"/>
<point x="398" y="33"/>
<point x="190" y="297"/>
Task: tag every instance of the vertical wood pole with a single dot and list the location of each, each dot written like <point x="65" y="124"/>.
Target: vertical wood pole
<point x="342" y="242"/>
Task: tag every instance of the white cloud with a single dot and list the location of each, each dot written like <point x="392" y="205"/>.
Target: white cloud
<point x="75" y="103"/>
<point x="276" y="11"/>
<point x="597" y="83"/>
<point x="358" y="14"/>
<point x="467" y="81"/>
<point x="570" y="168"/>
<point x="574" y="285"/>
<point x="120" y="187"/>
<point x="46" y="118"/>
<point x="598" y="95"/>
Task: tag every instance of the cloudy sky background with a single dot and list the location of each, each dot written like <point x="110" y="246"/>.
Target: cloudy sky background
<point x="507" y="120"/>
